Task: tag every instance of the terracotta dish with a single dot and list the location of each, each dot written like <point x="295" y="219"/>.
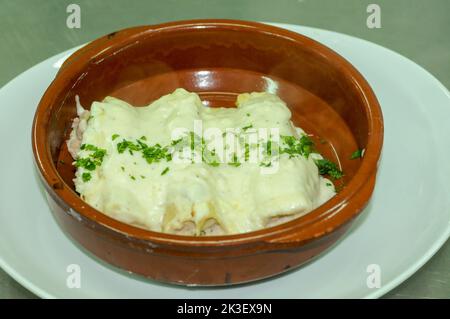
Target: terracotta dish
<point x="217" y="59"/>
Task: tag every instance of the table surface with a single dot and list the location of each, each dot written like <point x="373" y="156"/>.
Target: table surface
<point x="34" y="30"/>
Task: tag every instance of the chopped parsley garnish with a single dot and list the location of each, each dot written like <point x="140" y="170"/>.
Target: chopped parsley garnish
<point x="90" y="163"/>
<point x="306" y="145"/>
<point x="191" y="134"/>
<point x="269" y="147"/>
<point x="156" y="153"/>
<point x="114" y="136"/>
<point x="124" y="145"/>
<point x="209" y="157"/>
<point x="326" y="167"/>
<point x="268" y="164"/>
<point x="143" y="138"/>
<point x="213" y="163"/>
<point x="290" y="145"/>
<point x="93" y="160"/>
<point x="303" y="146"/>
<point x="234" y="161"/>
<point x="247" y="152"/>
<point x="99" y="154"/>
<point x="86" y="177"/>
<point x="88" y="147"/>
<point x="357" y="154"/>
<point x="248" y="114"/>
<point x="132" y="177"/>
<point x="151" y="154"/>
<point x="86" y="163"/>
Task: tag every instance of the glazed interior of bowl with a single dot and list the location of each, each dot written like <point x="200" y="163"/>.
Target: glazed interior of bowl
<point x="218" y="60"/>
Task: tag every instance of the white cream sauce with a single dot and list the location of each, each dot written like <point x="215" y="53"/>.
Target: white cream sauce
<point x="194" y="198"/>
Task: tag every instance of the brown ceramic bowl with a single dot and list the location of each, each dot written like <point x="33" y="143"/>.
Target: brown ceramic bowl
<point x="218" y="59"/>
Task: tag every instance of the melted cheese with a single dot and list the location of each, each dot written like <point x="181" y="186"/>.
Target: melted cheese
<point x="189" y="198"/>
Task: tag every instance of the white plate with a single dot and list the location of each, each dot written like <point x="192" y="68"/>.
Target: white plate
<point x="405" y="224"/>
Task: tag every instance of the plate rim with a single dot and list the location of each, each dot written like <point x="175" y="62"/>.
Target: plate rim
<point x="387" y="287"/>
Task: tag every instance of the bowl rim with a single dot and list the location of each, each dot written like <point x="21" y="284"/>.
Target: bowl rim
<point x="326" y="218"/>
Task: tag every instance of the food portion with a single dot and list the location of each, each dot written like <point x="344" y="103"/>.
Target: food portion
<point x="179" y="167"/>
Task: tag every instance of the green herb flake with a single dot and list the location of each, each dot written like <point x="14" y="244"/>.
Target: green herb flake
<point x="268" y="164"/>
<point x="357" y="154"/>
<point x="175" y="142"/>
<point x="132" y="177"/>
<point x="99" y="154"/>
<point x="155" y="153"/>
<point x="93" y="160"/>
<point x="234" y="161"/>
<point x="307" y="145"/>
<point x="121" y="147"/>
<point x="143" y="138"/>
<point x="124" y="145"/>
<point x="89" y="147"/>
<point x="86" y="163"/>
<point x="86" y="177"/>
<point x="303" y="146"/>
<point x="209" y="157"/>
<point x="214" y="163"/>
<point x="245" y="128"/>
<point x="247" y="152"/>
<point x="326" y="167"/>
<point x="192" y="139"/>
<point x="164" y="172"/>
<point x="269" y="147"/>
<point x="114" y="136"/>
